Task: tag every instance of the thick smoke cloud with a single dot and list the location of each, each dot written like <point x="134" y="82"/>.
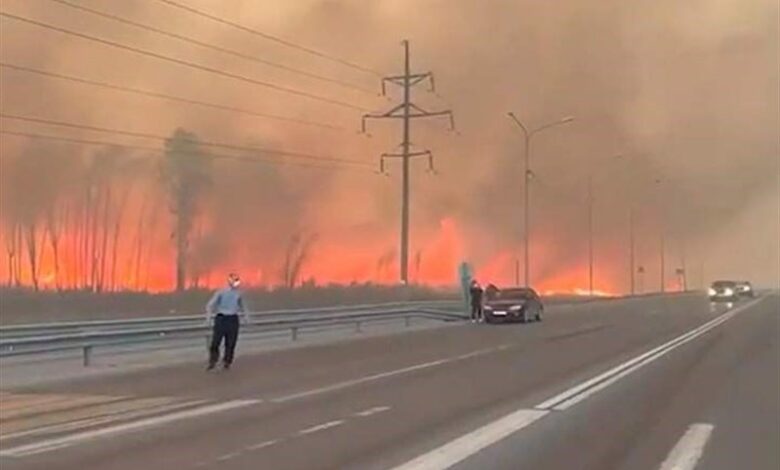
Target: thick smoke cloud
<point x="687" y="93"/>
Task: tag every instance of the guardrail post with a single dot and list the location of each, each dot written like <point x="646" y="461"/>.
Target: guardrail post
<point x="358" y="328"/>
<point x="87" y="356"/>
<point x="294" y="331"/>
<point x="407" y="321"/>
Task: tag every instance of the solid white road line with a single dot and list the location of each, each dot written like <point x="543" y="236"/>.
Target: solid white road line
<point x="467" y="445"/>
<point x="689" y="449"/>
<point x="471" y="443"/>
<point x="384" y="375"/>
<point x="579" y="392"/>
<point x="321" y="427"/>
<point x="72" y="439"/>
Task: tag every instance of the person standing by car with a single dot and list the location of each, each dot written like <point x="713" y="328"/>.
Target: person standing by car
<point x="225" y="306"/>
<point x="475" y="292"/>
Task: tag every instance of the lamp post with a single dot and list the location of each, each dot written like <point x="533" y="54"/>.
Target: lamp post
<point x="662" y="253"/>
<point x="591" y="265"/>
<point x="527" y="136"/>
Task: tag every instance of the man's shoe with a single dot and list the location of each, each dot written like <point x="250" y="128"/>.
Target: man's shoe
<point x="226" y="366"/>
<point x="210" y="366"/>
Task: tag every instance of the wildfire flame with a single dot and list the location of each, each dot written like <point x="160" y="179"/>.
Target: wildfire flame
<point x="150" y="268"/>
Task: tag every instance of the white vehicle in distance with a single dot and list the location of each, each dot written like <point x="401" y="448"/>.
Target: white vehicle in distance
<point x="723" y="291"/>
<point x="745" y="289"/>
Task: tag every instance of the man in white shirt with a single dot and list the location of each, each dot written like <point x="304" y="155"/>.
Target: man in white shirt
<point x="225" y="306"/>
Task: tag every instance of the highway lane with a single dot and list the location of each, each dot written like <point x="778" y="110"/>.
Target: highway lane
<point x="380" y="402"/>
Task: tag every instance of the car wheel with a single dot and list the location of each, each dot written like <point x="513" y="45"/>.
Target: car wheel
<point x="489" y="318"/>
<point x="539" y="314"/>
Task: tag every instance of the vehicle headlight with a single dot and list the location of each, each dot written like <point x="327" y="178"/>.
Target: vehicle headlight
<point x="515" y="308"/>
<point x="711" y="291"/>
<point x="488" y="307"/>
<point x="728" y="291"/>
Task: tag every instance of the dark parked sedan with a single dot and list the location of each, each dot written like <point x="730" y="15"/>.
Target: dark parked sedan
<point x="513" y="304"/>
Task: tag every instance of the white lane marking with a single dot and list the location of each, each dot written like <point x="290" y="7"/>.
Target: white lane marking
<point x="469" y="444"/>
<point x="689" y="449"/>
<point x="579" y="392"/>
<point x="66" y="441"/>
<point x="321" y="427"/>
<point x="229" y="456"/>
<point x="461" y="448"/>
<point x="606" y="383"/>
<point x="262" y="445"/>
<point x="98" y="420"/>
<point x="382" y="375"/>
<point x="372" y="411"/>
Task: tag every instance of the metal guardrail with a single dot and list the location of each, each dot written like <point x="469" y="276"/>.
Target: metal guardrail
<point x="39" y="329"/>
<point x="88" y="341"/>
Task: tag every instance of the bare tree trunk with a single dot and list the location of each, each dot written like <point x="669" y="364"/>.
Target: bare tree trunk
<point x="32" y="254"/>
<point x="103" y="249"/>
<point x="292" y="246"/>
<point x="18" y="244"/>
<point x="85" y="232"/>
<point x="93" y="252"/>
<point x="54" y="238"/>
<point x="41" y="248"/>
<point x="10" y="249"/>
<point x="300" y="259"/>
<point x="150" y="246"/>
<point x="117" y="227"/>
<point x="139" y="244"/>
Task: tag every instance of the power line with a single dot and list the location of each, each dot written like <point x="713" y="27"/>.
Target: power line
<point x="157" y="151"/>
<point x="163" y="138"/>
<point x="270" y="37"/>
<point x="185" y="63"/>
<point x="164" y="96"/>
<point x="214" y="47"/>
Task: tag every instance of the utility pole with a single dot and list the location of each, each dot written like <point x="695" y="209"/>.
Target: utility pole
<point x="662" y="222"/>
<point x="683" y="264"/>
<point x="663" y="261"/>
<point x="406" y="111"/>
<point x="632" y="249"/>
<point x="590" y="234"/>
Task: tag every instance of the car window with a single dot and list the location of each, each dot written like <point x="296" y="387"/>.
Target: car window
<point x="723" y="284"/>
<point x="508" y="294"/>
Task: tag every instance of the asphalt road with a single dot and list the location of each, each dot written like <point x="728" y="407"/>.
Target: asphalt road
<point x="652" y="383"/>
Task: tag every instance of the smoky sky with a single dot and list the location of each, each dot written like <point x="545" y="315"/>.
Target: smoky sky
<point x="685" y="92"/>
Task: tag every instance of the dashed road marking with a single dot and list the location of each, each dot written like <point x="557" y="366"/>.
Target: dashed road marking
<point x="371" y="411"/>
<point x="321" y="427"/>
<point x="263" y="445"/>
<point x="689" y="449"/>
<point x="384" y="375"/>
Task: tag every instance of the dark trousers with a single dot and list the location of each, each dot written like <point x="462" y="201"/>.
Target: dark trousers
<point x="225" y="326"/>
<point x="476" y="311"/>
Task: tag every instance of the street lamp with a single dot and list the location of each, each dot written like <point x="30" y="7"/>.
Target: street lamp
<point x="658" y="183"/>
<point x="591" y="263"/>
<point x="528" y="135"/>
